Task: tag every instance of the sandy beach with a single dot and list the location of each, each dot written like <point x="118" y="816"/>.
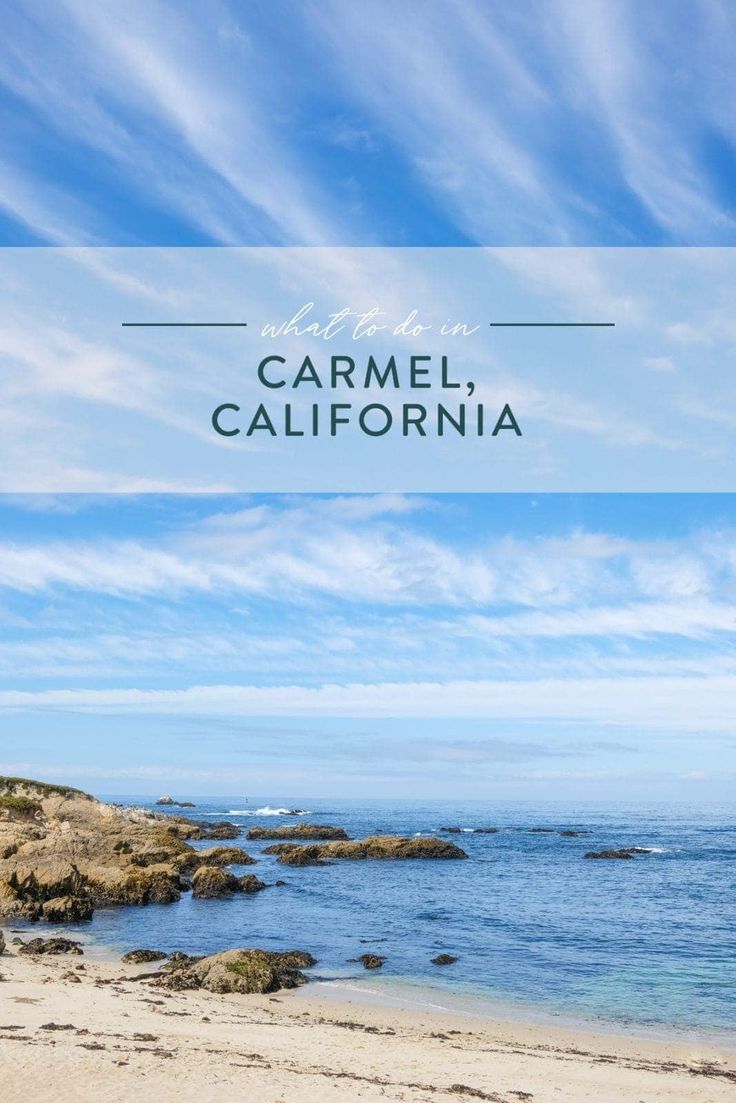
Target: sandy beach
<point x="107" y="1035"/>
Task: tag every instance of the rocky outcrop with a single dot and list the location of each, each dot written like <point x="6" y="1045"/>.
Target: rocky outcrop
<point x="444" y="959"/>
<point x="249" y="971"/>
<point x="213" y="882"/>
<point x="169" y="802"/>
<point x="387" y="847"/>
<point x="140" y="957"/>
<point x="73" y="853"/>
<point x="221" y="830"/>
<point x="299" y="831"/>
<point x="623" y="852"/>
<point x="456" y="830"/>
<point x="217" y="856"/>
<point x="187" y="829"/>
<point x="250" y="883"/>
<point x="569" y="834"/>
<point x="67" y="909"/>
<point x="370" y="961"/>
<point x="38" y="946"/>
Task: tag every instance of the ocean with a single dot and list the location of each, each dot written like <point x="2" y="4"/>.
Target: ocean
<point x="535" y="927"/>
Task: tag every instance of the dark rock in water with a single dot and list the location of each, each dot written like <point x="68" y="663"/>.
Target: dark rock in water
<point x="541" y="830"/>
<point x="169" y="802"/>
<point x="50" y="946"/>
<point x="444" y="959"/>
<point x="279" y="884"/>
<point x="297" y="959"/>
<point x="213" y="883"/>
<point x="138" y="957"/>
<point x="387" y="847"/>
<point x="250" y="883"/>
<point x="67" y="909"/>
<point x="221" y="830"/>
<point x="452" y="830"/>
<point x="250" y="971"/>
<point x="299" y="831"/>
<point x="485" y="831"/>
<point x="623" y="853"/>
<point x="217" y="856"/>
<point x="371" y="961"/>
<point x="568" y="834"/>
<point x="292" y="855"/>
<point x="178" y="958"/>
<point x="139" y="886"/>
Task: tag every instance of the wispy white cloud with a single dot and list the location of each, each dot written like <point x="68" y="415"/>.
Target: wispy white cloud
<point x="669" y="704"/>
<point x="371" y="549"/>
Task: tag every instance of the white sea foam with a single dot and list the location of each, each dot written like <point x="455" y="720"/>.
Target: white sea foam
<point x="267" y="811"/>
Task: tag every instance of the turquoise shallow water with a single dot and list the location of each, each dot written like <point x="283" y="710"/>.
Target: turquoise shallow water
<point x="650" y="941"/>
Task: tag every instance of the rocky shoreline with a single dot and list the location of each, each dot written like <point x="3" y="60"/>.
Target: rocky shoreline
<point x="64" y="853"/>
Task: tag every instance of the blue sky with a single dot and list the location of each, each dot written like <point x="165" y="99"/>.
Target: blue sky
<point x="543" y="122"/>
<point x="465" y="646"/>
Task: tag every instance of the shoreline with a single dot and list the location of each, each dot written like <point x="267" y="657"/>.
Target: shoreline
<point x="77" y="1028"/>
<point x="405" y="994"/>
<point x="416" y="995"/>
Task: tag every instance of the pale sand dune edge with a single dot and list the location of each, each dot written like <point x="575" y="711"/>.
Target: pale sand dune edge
<point x="115" y="1039"/>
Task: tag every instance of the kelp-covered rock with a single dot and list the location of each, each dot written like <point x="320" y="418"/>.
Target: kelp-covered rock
<point x="213" y="883"/>
<point x="217" y="856"/>
<point x="67" y="909"/>
<point x="386" y="847"/>
<point x="38" y="946"/>
<point x="370" y="961"/>
<point x="623" y="852"/>
<point x="75" y="853"/>
<point x="250" y="883"/>
<point x="137" y="886"/>
<point x="247" y="971"/>
<point x="221" y="830"/>
<point x="185" y="828"/>
<point x="291" y="854"/>
<point x="140" y="957"/>
<point x="297" y="831"/>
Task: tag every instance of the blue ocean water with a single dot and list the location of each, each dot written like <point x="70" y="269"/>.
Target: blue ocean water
<point x="648" y="941"/>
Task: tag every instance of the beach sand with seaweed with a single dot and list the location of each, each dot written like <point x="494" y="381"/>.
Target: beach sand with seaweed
<point x="106" y="1035"/>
